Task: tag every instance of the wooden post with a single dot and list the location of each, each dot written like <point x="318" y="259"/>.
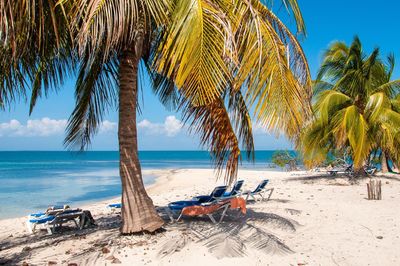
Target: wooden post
<point x="374" y="188"/>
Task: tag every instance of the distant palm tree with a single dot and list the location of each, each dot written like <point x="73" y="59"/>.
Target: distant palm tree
<point x="356" y="105"/>
<point x="211" y="60"/>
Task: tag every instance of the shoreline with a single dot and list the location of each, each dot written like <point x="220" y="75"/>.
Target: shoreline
<point x="310" y="220"/>
<point x="153" y="173"/>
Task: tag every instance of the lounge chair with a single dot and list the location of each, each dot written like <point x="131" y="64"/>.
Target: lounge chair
<point x="370" y="170"/>
<point x="217" y="193"/>
<point x="52" y="210"/>
<point x="51" y="220"/>
<point x="236" y="189"/>
<point x="114" y="207"/>
<point x="260" y="191"/>
<point x="178" y="206"/>
<point x="209" y="209"/>
<point x="346" y="169"/>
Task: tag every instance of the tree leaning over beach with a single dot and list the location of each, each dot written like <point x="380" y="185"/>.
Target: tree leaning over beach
<point x="216" y="61"/>
<point x="356" y="106"/>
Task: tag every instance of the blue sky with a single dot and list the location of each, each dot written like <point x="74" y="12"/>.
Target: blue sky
<point x="377" y="24"/>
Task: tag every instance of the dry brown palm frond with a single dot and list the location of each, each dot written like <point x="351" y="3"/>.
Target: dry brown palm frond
<point x="96" y="90"/>
<point x="241" y="120"/>
<point x="213" y="124"/>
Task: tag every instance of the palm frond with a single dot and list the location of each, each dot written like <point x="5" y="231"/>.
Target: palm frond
<point x="330" y="101"/>
<point x="216" y="132"/>
<point x="270" y="81"/>
<point x="319" y="86"/>
<point x="36" y="43"/>
<point x="13" y="79"/>
<point x="241" y="120"/>
<point x="95" y="91"/>
<point x="377" y="102"/>
<point x="315" y="143"/>
<point x="192" y="51"/>
<point x="105" y="27"/>
<point x="164" y="88"/>
<point x="351" y="125"/>
<point x="390" y="88"/>
<point x="292" y="5"/>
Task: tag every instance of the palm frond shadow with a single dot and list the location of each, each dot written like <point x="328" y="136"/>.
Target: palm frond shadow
<point x="107" y="228"/>
<point x="233" y="237"/>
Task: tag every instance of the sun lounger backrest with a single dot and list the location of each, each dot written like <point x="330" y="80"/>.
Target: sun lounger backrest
<point x="261" y="186"/>
<point x="236" y="188"/>
<point x="218" y="192"/>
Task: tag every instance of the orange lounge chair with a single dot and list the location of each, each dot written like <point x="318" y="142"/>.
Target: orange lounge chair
<point x="211" y="208"/>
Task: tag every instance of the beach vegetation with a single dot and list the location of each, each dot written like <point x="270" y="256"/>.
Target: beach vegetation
<point x="284" y="158"/>
<point x="356" y="108"/>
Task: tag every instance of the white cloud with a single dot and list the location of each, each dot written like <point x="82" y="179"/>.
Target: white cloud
<point x="39" y="127"/>
<point x="171" y="127"/>
<point x="43" y="127"/>
<point x="108" y="126"/>
<point x="258" y="128"/>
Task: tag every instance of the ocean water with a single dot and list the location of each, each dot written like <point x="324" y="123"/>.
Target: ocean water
<point x="32" y="180"/>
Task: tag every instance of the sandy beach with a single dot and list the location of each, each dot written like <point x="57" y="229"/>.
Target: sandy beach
<point x="311" y="219"/>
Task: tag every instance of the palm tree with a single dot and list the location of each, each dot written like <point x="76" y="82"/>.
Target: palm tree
<point x="355" y="106"/>
<point x="211" y="60"/>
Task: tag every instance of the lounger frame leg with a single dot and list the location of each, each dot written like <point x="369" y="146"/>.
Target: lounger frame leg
<point x="31" y="227"/>
<point x="76" y="224"/>
<point x="249" y="194"/>
<point x="261" y="195"/>
<point x="212" y="218"/>
<point x="270" y="193"/>
<point x="50" y="229"/>
<point x="169" y="213"/>
<point x="224" y="212"/>
<point x="179" y="217"/>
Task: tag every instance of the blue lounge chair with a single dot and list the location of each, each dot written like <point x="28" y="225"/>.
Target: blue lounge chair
<point x="50" y="220"/>
<point x="217" y="193"/>
<point x="114" y="207"/>
<point x="236" y="189"/>
<point x="260" y="191"/>
<point x="52" y="210"/>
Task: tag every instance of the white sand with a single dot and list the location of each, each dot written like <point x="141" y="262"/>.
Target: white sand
<point x="308" y="221"/>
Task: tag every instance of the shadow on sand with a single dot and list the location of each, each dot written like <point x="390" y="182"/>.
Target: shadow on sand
<point x="231" y="238"/>
<point x="107" y="227"/>
<point x="352" y="180"/>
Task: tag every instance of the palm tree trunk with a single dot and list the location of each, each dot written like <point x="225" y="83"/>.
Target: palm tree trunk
<point x="384" y="162"/>
<point x="138" y="212"/>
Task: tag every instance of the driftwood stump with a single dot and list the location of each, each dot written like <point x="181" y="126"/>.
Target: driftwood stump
<point x="374" y="188"/>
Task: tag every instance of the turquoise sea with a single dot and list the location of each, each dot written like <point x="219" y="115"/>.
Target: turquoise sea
<point x="33" y="180"/>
